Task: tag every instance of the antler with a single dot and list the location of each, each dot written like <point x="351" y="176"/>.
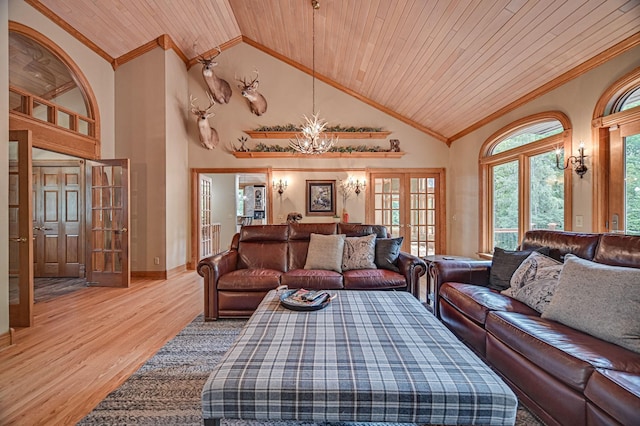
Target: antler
<point x="194" y="108"/>
<point x="212" y="102"/>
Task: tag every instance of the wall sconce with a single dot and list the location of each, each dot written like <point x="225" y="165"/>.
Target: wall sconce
<point x="280" y="186"/>
<point x="359" y="186"/>
<point x="577" y="162"/>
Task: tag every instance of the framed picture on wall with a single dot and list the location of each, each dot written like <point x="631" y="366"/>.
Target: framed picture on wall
<point x="321" y="198"/>
<point x="259" y="197"/>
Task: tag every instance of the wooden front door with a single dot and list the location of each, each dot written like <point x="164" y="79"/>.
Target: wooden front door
<point x="411" y="205"/>
<point x="20" y="231"/>
<point x="107" y="219"/>
<point x="58" y="225"/>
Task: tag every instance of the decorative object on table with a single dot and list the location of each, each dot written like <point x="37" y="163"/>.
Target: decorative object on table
<point x="305" y="300"/>
<point x="321" y="198"/>
<point x="312" y="139"/>
<point x="220" y="88"/>
<point x="208" y="135"/>
<point x="257" y="102"/>
<point x="394" y="145"/>
<point x="294" y="217"/>
<point x="576" y="161"/>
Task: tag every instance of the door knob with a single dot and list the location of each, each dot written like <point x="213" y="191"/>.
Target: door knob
<point x="18" y="239"/>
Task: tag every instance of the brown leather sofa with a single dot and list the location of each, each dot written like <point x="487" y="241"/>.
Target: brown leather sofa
<point x="262" y="257"/>
<point x="563" y="375"/>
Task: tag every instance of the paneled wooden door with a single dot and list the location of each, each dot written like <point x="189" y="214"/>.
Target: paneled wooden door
<point x="411" y="205"/>
<point x="107" y="218"/>
<point x="20" y="231"/>
<point x="58" y="225"/>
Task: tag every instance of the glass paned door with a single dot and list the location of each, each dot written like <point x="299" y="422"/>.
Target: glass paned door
<point x="410" y="206"/>
<point x="632" y="184"/>
<point x="20" y="230"/>
<point x="108" y="223"/>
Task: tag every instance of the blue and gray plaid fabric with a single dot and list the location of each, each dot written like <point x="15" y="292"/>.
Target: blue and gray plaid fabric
<point x="370" y="356"/>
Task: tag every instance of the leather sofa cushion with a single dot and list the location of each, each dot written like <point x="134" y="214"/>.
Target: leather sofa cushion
<point x="372" y="279"/>
<point x="567" y="354"/>
<point x="303" y="231"/>
<point x="263" y="255"/>
<point x="264" y="233"/>
<point x="617" y="393"/>
<point x="476" y="301"/>
<point x="619" y="250"/>
<point x="561" y="243"/>
<point x="250" y="280"/>
<point x="359" y="230"/>
<point x="316" y="279"/>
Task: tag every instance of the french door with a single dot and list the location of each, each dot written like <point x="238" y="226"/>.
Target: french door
<point x="624" y="182"/>
<point x="20" y="230"/>
<point x="411" y="205"/>
<point x="206" y="227"/>
<point x="107" y="220"/>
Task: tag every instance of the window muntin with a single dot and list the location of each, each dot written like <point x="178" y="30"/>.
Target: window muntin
<point x="528" y="134"/>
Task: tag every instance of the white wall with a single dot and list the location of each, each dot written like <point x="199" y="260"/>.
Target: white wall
<point x="4" y="167"/>
<point x="577" y="100"/>
<point x="140" y="136"/>
<point x="177" y="228"/>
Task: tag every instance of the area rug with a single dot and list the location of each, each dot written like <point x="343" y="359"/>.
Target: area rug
<point x="166" y="389"/>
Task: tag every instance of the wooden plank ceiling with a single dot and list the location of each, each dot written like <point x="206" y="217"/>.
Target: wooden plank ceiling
<point x="441" y="65"/>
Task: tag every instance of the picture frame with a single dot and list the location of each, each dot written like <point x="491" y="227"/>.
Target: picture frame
<point x="321" y="198"/>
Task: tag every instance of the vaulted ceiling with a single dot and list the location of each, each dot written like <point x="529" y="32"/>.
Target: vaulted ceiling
<point x="443" y="66"/>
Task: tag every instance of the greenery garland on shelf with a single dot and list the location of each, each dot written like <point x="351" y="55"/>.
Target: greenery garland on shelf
<point x="262" y="147"/>
<point x="338" y="128"/>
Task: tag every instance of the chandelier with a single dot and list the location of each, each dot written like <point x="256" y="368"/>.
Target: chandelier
<point x="312" y="140"/>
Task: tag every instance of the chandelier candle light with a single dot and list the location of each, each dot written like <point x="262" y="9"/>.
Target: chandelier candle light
<point x="312" y="139"/>
<point x="348" y="187"/>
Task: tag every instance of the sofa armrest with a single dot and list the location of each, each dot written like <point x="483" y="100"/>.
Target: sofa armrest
<point x="412" y="267"/>
<point x="461" y="271"/>
<point x="211" y="269"/>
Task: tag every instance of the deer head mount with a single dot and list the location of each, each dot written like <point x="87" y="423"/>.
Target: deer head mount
<point x="218" y="87"/>
<point x="257" y="102"/>
<point x="208" y="135"/>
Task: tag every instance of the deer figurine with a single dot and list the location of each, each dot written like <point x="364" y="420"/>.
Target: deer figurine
<point x="257" y="102"/>
<point x="218" y="87"/>
<point x="207" y="134"/>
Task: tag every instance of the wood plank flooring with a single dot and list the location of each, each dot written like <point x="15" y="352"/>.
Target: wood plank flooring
<point x="85" y="344"/>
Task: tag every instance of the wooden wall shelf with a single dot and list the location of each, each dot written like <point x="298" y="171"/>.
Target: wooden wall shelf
<point x="255" y="134"/>
<point x="238" y="154"/>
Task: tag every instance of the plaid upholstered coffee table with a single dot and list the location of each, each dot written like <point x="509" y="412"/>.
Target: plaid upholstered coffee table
<point x="370" y="356"/>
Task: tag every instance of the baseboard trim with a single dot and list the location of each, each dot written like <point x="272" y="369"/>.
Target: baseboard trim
<point x="7" y="339"/>
<point x="159" y="275"/>
<point x="150" y="275"/>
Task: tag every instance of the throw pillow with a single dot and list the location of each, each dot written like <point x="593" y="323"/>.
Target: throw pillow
<point x="387" y="252"/>
<point x="359" y="253"/>
<point x="535" y="281"/>
<point x="600" y="300"/>
<point x="504" y="264"/>
<point x="528" y="270"/>
<point x="325" y="252"/>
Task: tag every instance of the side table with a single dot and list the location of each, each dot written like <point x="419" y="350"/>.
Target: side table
<point x="430" y="260"/>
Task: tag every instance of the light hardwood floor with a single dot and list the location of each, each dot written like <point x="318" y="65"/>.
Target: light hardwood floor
<point x="85" y="344"/>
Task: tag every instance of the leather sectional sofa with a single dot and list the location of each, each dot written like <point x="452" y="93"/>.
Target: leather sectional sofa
<point x="262" y="257"/>
<point x="563" y="375"/>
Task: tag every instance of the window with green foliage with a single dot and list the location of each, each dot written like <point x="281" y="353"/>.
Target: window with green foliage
<point x="525" y="189"/>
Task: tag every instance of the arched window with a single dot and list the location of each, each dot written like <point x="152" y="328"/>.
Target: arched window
<point x="617" y="133"/>
<point x="521" y="187"/>
<point x="49" y="95"/>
